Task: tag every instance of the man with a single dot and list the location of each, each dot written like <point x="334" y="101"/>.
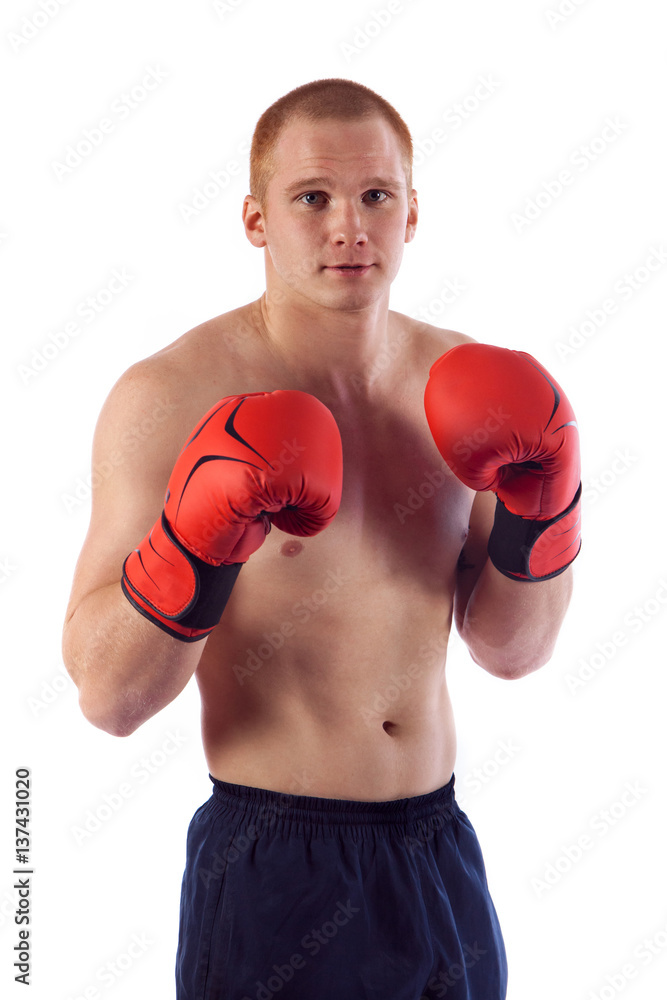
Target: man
<point x="332" y="859"/>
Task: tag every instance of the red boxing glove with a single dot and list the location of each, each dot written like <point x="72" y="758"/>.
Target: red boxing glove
<point x="253" y="460"/>
<point x="502" y="423"/>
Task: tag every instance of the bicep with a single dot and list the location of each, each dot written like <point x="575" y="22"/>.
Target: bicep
<point x="473" y="555"/>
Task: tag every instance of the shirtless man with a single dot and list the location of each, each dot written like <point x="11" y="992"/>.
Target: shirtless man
<point x="332" y="859"/>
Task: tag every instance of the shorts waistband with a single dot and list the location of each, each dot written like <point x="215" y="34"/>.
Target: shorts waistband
<point x="336" y="811"/>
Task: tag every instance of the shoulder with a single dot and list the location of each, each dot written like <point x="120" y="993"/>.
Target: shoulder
<point x="217" y="346"/>
<point x="144" y="422"/>
<point x="181" y="381"/>
<point x="426" y="342"/>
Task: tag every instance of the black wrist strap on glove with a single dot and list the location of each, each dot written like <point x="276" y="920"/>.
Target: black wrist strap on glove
<point x="524" y="549"/>
<point x="211" y="586"/>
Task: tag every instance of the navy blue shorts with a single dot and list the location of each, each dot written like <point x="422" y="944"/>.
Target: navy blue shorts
<point x="303" y="898"/>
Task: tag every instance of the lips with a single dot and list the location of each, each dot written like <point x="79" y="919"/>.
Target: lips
<point x="348" y="267"/>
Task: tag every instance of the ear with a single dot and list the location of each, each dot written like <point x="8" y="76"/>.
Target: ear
<point x="413" y="214"/>
<point x="253" y="221"/>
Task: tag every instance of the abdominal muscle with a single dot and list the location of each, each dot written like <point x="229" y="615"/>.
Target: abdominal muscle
<point x="332" y="685"/>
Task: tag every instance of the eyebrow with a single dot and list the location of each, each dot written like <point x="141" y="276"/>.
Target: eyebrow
<point x="370" y="182"/>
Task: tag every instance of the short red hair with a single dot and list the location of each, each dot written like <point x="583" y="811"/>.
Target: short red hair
<point x="335" y="98"/>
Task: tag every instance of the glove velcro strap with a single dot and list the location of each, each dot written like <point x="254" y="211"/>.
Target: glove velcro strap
<point x="524" y="549"/>
<point x="158" y="574"/>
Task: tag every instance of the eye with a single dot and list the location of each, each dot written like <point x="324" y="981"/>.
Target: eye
<point x="305" y="198"/>
<point x="377" y="200"/>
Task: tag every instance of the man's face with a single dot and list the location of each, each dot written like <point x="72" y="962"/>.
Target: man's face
<point x="337" y="213"/>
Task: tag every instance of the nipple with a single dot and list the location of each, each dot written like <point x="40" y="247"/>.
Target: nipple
<point x="291" y="548"/>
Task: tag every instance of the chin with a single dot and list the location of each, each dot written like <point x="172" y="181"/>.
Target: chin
<point x="353" y="298"/>
<point x="351" y="302"/>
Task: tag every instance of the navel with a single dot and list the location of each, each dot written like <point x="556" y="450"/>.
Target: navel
<point x="291" y="548"/>
<point x="388" y="727"/>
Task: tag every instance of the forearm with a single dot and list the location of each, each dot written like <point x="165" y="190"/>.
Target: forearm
<point x="509" y="626"/>
<point x="125" y="668"/>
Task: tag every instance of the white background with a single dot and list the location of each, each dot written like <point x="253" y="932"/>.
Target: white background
<point x="539" y="761"/>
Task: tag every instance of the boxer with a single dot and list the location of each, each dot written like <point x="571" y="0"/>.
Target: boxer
<point x="263" y="540"/>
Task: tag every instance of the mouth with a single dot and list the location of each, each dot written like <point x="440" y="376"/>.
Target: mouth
<point x="349" y="268"/>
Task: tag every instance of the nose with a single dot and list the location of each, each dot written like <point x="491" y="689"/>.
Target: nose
<point x="346" y="225"/>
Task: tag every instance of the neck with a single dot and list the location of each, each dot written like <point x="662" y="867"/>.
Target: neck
<point x="335" y="349"/>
